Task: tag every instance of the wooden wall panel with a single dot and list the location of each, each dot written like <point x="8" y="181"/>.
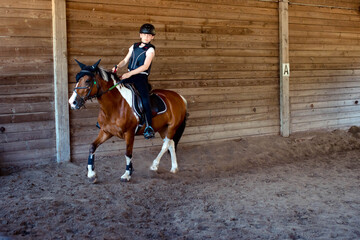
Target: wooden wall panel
<point x="325" y="63"/>
<point x="222" y="56"/>
<point x="26" y="83"/>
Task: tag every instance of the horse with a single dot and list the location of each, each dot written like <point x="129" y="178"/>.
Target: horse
<point x="117" y="117"/>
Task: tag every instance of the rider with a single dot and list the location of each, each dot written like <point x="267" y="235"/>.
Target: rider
<point x="139" y="60"/>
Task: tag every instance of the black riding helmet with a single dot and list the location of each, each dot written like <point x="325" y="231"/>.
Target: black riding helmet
<point x="147" y="28"/>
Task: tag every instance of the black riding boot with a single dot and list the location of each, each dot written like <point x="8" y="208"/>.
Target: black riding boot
<point x="149" y="131"/>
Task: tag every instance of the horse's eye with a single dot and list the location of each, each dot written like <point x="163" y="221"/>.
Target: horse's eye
<point x="88" y="81"/>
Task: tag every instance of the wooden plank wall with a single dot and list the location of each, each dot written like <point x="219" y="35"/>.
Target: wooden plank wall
<point x="26" y="83"/>
<point x="221" y="55"/>
<point x="325" y="64"/>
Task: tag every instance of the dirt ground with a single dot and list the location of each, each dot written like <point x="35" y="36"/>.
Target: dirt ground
<point x="306" y="186"/>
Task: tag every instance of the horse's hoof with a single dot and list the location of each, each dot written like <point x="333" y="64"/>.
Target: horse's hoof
<point x="93" y="179"/>
<point x="153" y="168"/>
<point x="125" y="179"/>
<point x="174" y="170"/>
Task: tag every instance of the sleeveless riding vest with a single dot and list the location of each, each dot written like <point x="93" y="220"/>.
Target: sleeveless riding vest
<point x="138" y="56"/>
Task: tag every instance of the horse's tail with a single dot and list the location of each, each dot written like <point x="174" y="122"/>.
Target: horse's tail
<point x="180" y="131"/>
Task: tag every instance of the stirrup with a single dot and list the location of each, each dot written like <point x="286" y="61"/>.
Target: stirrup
<point x="149" y="132"/>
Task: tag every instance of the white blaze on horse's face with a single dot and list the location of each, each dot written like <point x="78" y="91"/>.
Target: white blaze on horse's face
<point x="73" y="98"/>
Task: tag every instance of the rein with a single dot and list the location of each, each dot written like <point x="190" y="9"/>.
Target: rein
<point x="111" y="88"/>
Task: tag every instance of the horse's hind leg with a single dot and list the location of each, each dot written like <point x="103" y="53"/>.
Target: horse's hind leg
<point x="174" y="165"/>
<point x="167" y="145"/>
<point x="164" y="148"/>
<point x="102" y="137"/>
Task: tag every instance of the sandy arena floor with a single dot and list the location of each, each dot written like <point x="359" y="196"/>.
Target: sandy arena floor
<point x="306" y="186"/>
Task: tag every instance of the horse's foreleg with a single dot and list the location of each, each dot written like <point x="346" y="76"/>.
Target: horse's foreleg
<point x="102" y="137"/>
<point x="129" y="169"/>
<point x="129" y="138"/>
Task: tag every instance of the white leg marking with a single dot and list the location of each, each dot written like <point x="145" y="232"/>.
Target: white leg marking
<point x="126" y="176"/>
<point x="91" y="173"/>
<point x="174" y="165"/>
<point x="156" y="162"/>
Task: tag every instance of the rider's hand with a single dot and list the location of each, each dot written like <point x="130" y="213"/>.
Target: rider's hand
<point x="125" y="75"/>
<point x="114" y="69"/>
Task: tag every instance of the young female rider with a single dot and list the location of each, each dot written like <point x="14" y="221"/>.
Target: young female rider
<point x="139" y="60"/>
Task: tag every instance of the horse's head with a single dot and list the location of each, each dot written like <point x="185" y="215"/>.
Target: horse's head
<point x="85" y="82"/>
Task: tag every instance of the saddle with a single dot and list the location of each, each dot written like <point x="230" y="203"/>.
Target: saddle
<point x="157" y="104"/>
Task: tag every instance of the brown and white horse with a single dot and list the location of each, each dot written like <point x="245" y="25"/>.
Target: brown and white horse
<point x="117" y="118"/>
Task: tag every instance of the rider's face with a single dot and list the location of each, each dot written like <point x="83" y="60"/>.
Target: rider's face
<point x="146" y="38"/>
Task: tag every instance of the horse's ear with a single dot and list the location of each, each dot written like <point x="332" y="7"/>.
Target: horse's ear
<point x="96" y="64"/>
<point x="82" y="66"/>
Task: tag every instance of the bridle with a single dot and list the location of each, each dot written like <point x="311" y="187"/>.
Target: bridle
<point x="89" y="88"/>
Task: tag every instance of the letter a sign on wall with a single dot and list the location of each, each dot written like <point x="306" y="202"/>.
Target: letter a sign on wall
<point x="286" y="70"/>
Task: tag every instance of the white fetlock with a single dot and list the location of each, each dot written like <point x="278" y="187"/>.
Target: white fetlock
<point x="126" y="176"/>
<point x="91" y="173"/>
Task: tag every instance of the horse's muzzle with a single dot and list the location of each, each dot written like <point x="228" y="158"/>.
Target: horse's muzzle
<point x="76" y="102"/>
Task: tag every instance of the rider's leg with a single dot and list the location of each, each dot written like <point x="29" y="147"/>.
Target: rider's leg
<point x="142" y="87"/>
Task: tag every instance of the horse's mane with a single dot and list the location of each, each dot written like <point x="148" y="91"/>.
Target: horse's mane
<point x="106" y="75"/>
<point x="124" y="91"/>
